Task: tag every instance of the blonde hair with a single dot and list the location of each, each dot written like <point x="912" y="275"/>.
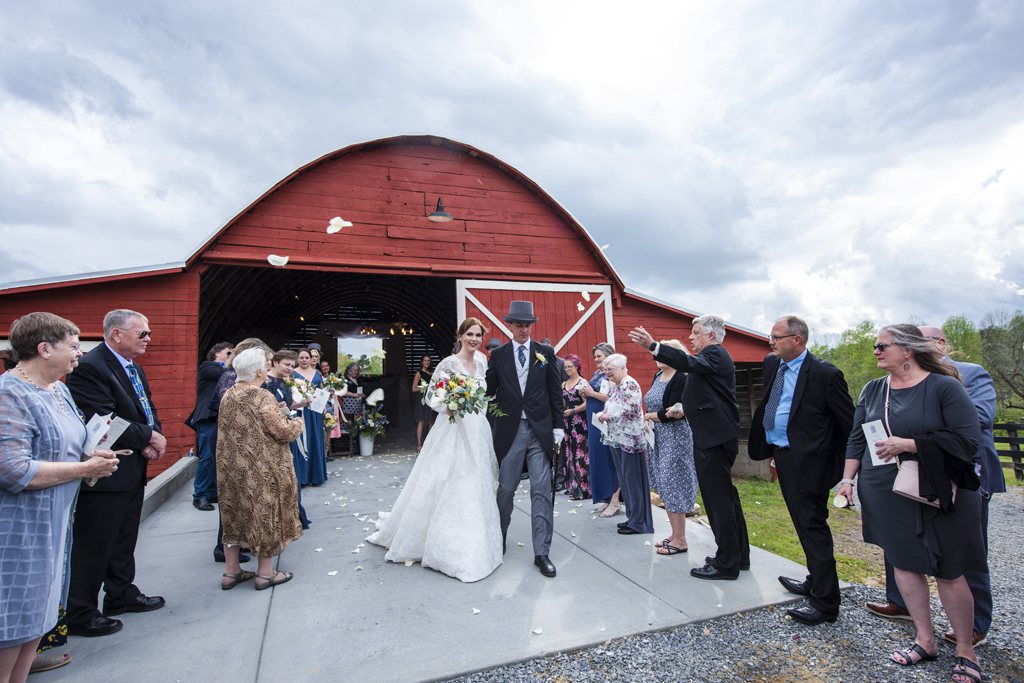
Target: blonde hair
<point x="676" y="344"/>
<point x="245" y="345"/>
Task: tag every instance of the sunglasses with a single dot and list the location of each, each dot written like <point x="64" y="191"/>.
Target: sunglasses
<point x="882" y="347"/>
<point x="142" y="335"/>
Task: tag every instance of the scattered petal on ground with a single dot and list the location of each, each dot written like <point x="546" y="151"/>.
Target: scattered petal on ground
<point x="538" y="631"/>
<point x="318" y="550"/>
<point x="331" y="573"/>
<point x="409" y="563"/>
<point x="476" y="611"/>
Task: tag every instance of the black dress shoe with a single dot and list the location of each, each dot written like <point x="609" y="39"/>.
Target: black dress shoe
<point x="97" y="626"/>
<point x="141" y="603"/>
<point x="622" y="525"/>
<point x="810" y="616"/>
<point x="559" y="487"/>
<point x="203" y="504"/>
<point x="793" y="586"/>
<point x="218" y="556"/>
<point x="743" y="567"/>
<point x="524" y="476"/>
<point x="710" y="573"/>
<point x="546" y="568"/>
<point x="628" y="531"/>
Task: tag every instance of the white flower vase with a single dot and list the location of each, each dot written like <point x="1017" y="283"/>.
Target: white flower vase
<point x="365" y="445"/>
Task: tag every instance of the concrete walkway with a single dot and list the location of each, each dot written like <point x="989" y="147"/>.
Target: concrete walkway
<point x="349" y="616"/>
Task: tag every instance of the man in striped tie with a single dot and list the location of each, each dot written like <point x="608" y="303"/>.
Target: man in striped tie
<point x="106" y="526"/>
<point x="803" y="422"/>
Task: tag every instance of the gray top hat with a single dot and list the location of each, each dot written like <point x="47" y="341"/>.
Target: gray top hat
<point x="520" y="312"/>
<point x="314" y="346"/>
<point x="493" y="343"/>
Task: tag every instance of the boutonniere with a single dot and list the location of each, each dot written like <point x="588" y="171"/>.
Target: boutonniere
<point x="542" y="359"/>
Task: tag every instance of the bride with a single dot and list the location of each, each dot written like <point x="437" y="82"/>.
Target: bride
<point x="446" y="516"/>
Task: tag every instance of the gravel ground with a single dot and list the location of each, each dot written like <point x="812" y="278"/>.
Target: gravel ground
<point x="766" y="645"/>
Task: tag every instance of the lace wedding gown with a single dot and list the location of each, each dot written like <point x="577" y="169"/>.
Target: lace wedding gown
<point x="446" y="516"/>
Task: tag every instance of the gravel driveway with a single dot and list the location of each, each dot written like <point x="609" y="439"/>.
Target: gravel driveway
<point x="765" y="645"/>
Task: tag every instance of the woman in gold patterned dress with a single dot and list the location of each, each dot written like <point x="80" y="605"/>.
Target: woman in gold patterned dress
<point x="256" y="484"/>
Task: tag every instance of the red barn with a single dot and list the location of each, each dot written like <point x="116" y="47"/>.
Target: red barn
<point x="393" y="270"/>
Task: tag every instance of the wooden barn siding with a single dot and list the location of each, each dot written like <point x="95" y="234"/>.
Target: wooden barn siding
<point x="386" y="193"/>
<point x="171" y="302"/>
<point x="557" y="314"/>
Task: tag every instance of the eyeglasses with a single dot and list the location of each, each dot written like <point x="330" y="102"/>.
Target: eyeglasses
<point x="142" y="335"/>
<point x="773" y="338"/>
<point x="883" y="346"/>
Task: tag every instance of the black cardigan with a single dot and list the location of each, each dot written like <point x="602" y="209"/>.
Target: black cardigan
<point x="673" y="395"/>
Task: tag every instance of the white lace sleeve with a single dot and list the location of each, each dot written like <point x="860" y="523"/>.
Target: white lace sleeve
<point x="481" y="364"/>
<point x="449" y="366"/>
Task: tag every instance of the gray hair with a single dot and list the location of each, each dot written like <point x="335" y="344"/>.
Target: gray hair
<point x="711" y="323"/>
<point x="248" y="363"/>
<point x="795" y="325"/>
<point x="119" y="319"/>
<point x="926" y="353"/>
<point x="616" y="360"/>
<point x="605" y="348"/>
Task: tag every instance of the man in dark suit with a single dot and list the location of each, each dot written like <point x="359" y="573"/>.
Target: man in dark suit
<point x="804" y="421"/>
<point x="709" y="404"/>
<point x="106" y="524"/>
<point x="980" y="387"/>
<point x="203" y="420"/>
<point x="523" y="379"/>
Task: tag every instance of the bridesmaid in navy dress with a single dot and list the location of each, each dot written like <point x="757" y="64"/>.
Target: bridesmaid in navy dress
<point x="604" y="486"/>
<point x="309" y="451"/>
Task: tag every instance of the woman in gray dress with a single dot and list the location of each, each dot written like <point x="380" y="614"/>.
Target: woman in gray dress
<point x="929" y="418"/>
<point x="41" y="440"/>
<point x="670" y="461"/>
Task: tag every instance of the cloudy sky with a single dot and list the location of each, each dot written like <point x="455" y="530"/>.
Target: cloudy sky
<point x="843" y="160"/>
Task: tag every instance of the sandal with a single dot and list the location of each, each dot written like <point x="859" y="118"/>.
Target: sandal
<point x="235" y="579"/>
<point x="908" y="655"/>
<point x="662" y="543"/>
<point x="671" y="550"/>
<point x="47" y="661"/>
<point x="601" y="507"/>
<point x="966" y="674"/>
<point x="611" y="510"/>
<point x="272" y="580"/>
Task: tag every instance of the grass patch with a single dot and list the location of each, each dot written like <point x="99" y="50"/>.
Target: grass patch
<point x="770" y="528"/>
<point x="1008" y="474"/>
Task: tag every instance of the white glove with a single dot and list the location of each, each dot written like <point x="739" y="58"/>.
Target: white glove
<point x="559" y="435"/>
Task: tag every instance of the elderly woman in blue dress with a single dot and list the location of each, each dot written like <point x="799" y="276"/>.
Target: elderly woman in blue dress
<point x="626" y="441"/>
<point x="41" y="440"/>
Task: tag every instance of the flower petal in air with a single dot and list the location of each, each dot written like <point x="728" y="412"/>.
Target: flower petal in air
<point x="337" y="224"/>
<point x="276" y="260"/>
<point x="579" y="306"/>
<point x="586" y="295"/>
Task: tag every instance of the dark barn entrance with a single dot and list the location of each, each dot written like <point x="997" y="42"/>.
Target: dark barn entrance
<point x="290" y="308"/>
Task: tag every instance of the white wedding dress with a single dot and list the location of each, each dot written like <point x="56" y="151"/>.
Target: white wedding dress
<point x="447" y="516"/>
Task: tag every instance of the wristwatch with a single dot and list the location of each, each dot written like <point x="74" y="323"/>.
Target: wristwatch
<point x="654" y="345"/>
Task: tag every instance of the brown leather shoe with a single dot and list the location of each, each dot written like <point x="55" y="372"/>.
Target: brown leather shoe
<point x="889" y="610"/>
<point x="977" y="639"/>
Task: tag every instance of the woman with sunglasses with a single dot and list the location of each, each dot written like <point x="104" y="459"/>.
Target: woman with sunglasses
<point x="927" y="418"/>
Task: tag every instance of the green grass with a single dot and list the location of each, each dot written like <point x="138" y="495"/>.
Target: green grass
<point x="1011" y="478"/>
<point x="769" y="527"/>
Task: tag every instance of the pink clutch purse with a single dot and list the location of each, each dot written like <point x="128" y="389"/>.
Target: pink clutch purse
<point x="908" y="483"/>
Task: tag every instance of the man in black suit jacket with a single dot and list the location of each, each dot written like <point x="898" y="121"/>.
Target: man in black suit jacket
<point x="107" y="517"/>
<point x="203" y="420"/>
<point x="709" y="404"/>
<point x="523" y="379"/>
<point x="804" y="421"/>
<point x="563" y="377"/>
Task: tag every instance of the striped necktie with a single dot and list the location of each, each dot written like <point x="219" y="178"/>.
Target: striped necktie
<point x="773" y="399"/>
<point x="133" y="374"/>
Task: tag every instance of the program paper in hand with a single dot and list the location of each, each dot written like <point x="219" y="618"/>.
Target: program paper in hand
<point x="875" y="432"/>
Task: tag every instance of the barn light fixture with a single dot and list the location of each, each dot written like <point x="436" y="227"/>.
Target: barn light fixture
<point x="440" y="215"/>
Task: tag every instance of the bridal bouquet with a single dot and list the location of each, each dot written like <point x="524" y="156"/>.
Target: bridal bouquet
<point x="336" y="382"/>
<point x="461" y="394"/>
<point x="301" y="390"/>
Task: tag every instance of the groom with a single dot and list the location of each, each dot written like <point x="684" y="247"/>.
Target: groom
<point x="523" y="378"/>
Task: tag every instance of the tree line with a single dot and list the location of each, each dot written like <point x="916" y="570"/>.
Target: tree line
<point x="997" y="345"/>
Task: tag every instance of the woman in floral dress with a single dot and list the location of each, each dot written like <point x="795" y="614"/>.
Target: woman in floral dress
<point x="577" y="464"/>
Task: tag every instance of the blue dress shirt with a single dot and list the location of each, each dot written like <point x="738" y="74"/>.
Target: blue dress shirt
<point x="777" y="435"/>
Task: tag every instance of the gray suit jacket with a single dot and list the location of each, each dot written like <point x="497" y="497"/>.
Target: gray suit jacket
<point x="982" y="391"/>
